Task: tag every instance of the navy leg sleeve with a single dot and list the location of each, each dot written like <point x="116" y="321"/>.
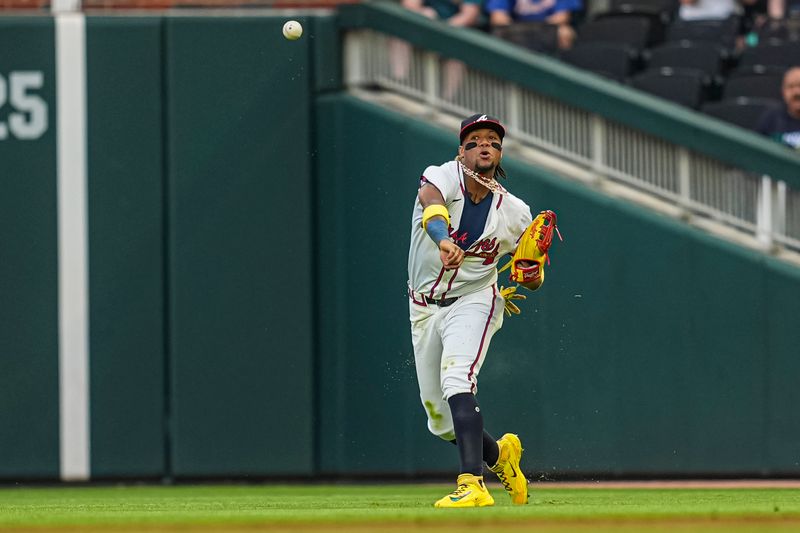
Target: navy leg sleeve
<point x="468" y="425"/>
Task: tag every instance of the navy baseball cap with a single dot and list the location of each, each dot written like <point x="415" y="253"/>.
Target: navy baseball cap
<point x="480" y="121"/>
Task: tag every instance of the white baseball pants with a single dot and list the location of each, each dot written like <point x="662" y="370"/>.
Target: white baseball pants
<point x="450" y="345"/>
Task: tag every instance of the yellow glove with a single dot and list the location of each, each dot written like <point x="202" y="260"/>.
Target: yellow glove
<point x="508" y="294"/>
<point x="532" y="249"/>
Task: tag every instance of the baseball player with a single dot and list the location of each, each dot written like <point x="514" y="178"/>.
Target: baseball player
<point x="464" y="221"/>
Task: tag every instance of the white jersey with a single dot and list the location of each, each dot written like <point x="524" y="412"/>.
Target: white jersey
<point x="507" y="219"/>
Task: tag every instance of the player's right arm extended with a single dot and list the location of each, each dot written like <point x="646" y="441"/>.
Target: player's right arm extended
<point x="436" y="222"/>
<point x="435" y="217"/>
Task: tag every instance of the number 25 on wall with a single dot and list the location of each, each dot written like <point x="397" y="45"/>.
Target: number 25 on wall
<point x="28" y="118"/>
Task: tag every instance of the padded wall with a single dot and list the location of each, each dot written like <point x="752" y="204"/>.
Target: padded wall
<point x="652" y="348"/>
<point x="28" y="258"/>
<point x="239" y="239"/>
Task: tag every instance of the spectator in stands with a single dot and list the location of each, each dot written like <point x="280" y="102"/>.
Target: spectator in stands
<point x="556" y="12"/>
<point x="754" y="17"/>
<point x="783" y="123"/>
<point x="707" y="9"/>
<point x="466" y="13"/>
<point x="783" y="9"/>
<point x="692" y="10"/>
<point x="459" y="13"/>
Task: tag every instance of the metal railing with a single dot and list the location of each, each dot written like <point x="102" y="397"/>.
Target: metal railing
<point x="698" y="185"/>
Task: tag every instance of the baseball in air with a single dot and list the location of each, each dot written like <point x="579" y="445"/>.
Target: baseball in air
<point x="292" y="30"/>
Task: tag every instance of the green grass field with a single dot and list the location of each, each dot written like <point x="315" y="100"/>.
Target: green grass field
<point x="403" y="507"/>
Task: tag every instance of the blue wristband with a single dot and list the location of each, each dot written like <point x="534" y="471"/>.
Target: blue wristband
<point x="437" y="230"/>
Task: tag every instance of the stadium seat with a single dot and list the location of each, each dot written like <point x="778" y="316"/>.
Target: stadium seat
<point x="660" y="13"/>
<point x="616" y="61"/>
<point x="702" y="56"/>
<point x="722" y="32"/>
<point x="634" y="31"/>
<point x="772" y="53"/>
<point x="708" y="58"/>
<point x="536" y="36"/>
<point x="779" y="30"/>
<point x="685" y="87"/>
<point x="661" y="8"/>
<point x="743" y="112"/>
<point x="754" y="82"/>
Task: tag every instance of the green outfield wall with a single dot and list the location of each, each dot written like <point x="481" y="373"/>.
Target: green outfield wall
<point x="126" y="214"/>
<point x="247" y="228"/>
<point x="29" y="417"/>
<point x="199" y="191"/>
<point x="238" y="239"/>
<point x="652" y="348"/>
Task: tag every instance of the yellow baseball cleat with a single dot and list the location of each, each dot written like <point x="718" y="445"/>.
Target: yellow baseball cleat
<point x="471" y="492"/>
<point x="508" y="471"/>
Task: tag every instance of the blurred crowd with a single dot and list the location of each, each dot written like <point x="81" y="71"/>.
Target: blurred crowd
<point x="734" y="60"/>
<point x="730" y="59"/>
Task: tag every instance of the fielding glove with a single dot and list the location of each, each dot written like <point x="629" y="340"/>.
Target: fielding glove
<point x="532" y="249"/>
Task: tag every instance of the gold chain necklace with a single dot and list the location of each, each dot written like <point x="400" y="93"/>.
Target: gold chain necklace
<point x="490" y="183"/>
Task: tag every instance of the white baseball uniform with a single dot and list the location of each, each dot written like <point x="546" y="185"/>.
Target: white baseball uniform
<point x="451" y="338"/>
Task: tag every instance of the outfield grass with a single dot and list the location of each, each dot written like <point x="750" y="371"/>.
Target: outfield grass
<point x="301" y="508"/>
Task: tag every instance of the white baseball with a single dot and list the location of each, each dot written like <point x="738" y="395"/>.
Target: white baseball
<point x="292" y="30"/>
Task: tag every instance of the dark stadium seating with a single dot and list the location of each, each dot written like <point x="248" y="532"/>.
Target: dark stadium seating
<point x="686" y="55"/>
<point x="660" y="13"/>
<point x="743" y="112"/>
<point x="772" y="53"/>
<point x="779" y="30"/>
<point x="685" y="87"/>
<point x="721" y="32"/>
<point x="666" y="9"/>
<point x="616" y="61"/>
<point x="536" y="36"/>
<point x="754" y="82"/>
<point x="708" y="58"/>
<point x="634" y="31"/>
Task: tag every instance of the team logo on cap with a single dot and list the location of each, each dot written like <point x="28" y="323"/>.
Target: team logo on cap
<point x="479" y="121"/>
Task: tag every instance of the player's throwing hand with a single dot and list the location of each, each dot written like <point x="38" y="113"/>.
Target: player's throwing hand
<point x="452" y="255"/>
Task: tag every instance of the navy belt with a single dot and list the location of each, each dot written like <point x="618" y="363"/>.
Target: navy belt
<point x="441" y="302"/>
